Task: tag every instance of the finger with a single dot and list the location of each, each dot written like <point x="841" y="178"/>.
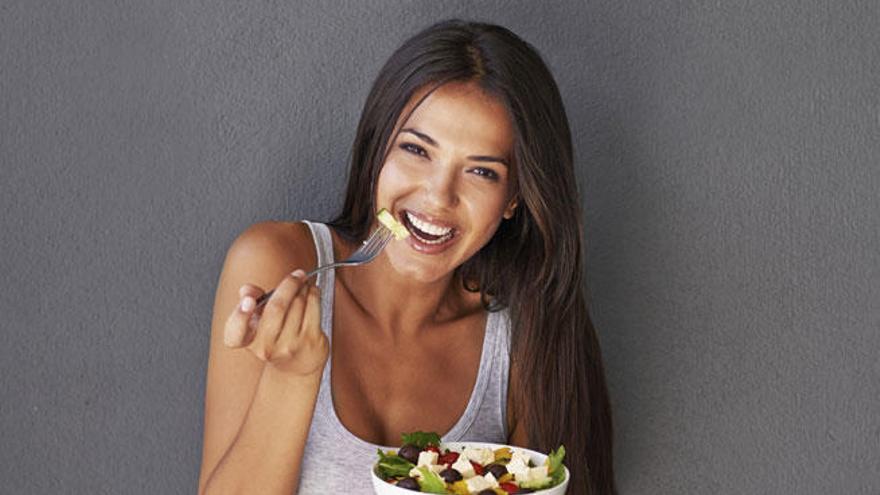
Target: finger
<point x="235" y="332"/>
<point x="252" y="325"/>
<point x="274" y="313"/>
<point x="311" y="323"/>
<point x="291" y="330"/>
<point x="238" y="331"/>
<point x="250" y="290"/>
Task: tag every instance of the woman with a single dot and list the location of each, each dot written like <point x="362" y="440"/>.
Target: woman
<point x="476" y="326"/>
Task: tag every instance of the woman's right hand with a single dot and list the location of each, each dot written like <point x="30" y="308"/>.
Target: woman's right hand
<point x="285" y="333"/>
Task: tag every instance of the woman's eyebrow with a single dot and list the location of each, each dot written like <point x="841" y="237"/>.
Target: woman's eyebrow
<point x="477" y="158"/>
<point x="424" y="137"/>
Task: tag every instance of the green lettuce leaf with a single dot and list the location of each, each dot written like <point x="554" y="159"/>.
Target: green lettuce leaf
<point x="538" y="484"/>
<point x="421" y="439"/>
<point x="555" y="471"/>
<point x="390" y="466"/>
<point x="431" y="482"/>
<point x="555" y="461"/>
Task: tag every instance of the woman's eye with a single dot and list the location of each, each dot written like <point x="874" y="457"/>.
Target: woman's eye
<point x="487" y="173"/>
<point x="414" y="149"/>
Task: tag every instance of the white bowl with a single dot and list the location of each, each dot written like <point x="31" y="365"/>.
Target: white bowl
<point x="381" y="487"/>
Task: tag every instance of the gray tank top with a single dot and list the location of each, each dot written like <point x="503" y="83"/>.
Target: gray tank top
<point x="337" y="461"/>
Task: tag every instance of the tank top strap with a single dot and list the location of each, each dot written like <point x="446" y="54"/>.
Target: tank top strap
<point x="326" y="279"/>
<point x="485" y="415"/>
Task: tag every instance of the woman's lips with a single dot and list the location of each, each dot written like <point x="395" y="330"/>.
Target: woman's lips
<point x="422" y="241"/>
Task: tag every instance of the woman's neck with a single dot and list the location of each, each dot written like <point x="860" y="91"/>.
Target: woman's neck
<point x="401" y="306"/>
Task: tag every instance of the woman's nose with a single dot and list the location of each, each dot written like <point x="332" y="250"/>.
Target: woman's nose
<point x="441" y="188"/>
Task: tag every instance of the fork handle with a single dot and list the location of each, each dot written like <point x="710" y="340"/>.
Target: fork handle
<point x="265" y="297"/>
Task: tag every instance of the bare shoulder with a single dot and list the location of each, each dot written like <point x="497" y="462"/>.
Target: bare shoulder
<point x="269" y="250"/>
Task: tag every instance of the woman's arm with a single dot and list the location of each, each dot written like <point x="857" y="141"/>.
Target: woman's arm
<point x="266" y="455"/>
<point x="257" y="415"/>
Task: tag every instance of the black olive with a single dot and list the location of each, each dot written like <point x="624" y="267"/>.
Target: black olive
<point x="497" y="470"/>
<point x="487" y="491"/>
<point x="524" y="490"/>
<point x="410" y="452"/>
<point x="409" y="484"/>
<point x="450" y="475"/>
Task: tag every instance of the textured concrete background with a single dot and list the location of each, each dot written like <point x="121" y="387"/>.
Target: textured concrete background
<point x="728" y="159"/>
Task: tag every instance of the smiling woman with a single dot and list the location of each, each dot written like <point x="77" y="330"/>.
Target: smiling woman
<point x="446" y="178"/>
<point x="475" y="325"/>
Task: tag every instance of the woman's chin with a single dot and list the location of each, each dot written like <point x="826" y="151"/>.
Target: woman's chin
<point x="418" y="270"/>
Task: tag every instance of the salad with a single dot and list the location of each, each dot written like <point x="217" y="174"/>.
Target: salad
<point x="423" y="465"/>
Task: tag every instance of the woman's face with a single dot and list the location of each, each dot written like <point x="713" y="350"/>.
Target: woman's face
<point x="447" y="178"/>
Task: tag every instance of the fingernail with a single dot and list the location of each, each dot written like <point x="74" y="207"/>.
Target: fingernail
<point x="247" y="304"/>
<point x="299" y="273"/>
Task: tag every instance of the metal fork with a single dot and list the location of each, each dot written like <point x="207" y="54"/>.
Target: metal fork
<point x="364" y="254"/>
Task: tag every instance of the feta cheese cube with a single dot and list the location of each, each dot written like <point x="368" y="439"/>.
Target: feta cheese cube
<point x="517" y="468"/>
<point x="491" y="479"/>
<point x="478" y="483"/>
<point x="463" y="466"/>
<point x="479" y="455"/>
<point x="534" y="474"/>
<point x="539" y="472"/>
<point x="519" y="454"/>
<point x="427" y="457"/>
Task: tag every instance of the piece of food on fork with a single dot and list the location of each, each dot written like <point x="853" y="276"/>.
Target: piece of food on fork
<point x="387" y="219"/>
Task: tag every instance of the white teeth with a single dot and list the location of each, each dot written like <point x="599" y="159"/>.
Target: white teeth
<point x="428" y="228"/>
<point x="436" y="241"/>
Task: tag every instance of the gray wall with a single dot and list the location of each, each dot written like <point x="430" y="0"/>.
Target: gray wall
<point x="728" y="160"/>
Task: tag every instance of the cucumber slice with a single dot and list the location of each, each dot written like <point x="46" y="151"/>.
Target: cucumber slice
<point x="396" y="228"/>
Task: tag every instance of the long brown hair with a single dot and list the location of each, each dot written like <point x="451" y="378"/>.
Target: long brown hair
<point x="534" y="264"/>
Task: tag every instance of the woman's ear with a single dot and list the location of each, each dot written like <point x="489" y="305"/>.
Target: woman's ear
<point x="511" y="207"/>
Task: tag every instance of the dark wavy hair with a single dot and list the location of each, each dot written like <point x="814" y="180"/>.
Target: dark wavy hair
<point x="534" y="263"/>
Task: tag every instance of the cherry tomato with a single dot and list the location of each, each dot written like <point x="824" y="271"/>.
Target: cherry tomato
<point x="448" y="458"/>
<point x="508" y="487"/>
